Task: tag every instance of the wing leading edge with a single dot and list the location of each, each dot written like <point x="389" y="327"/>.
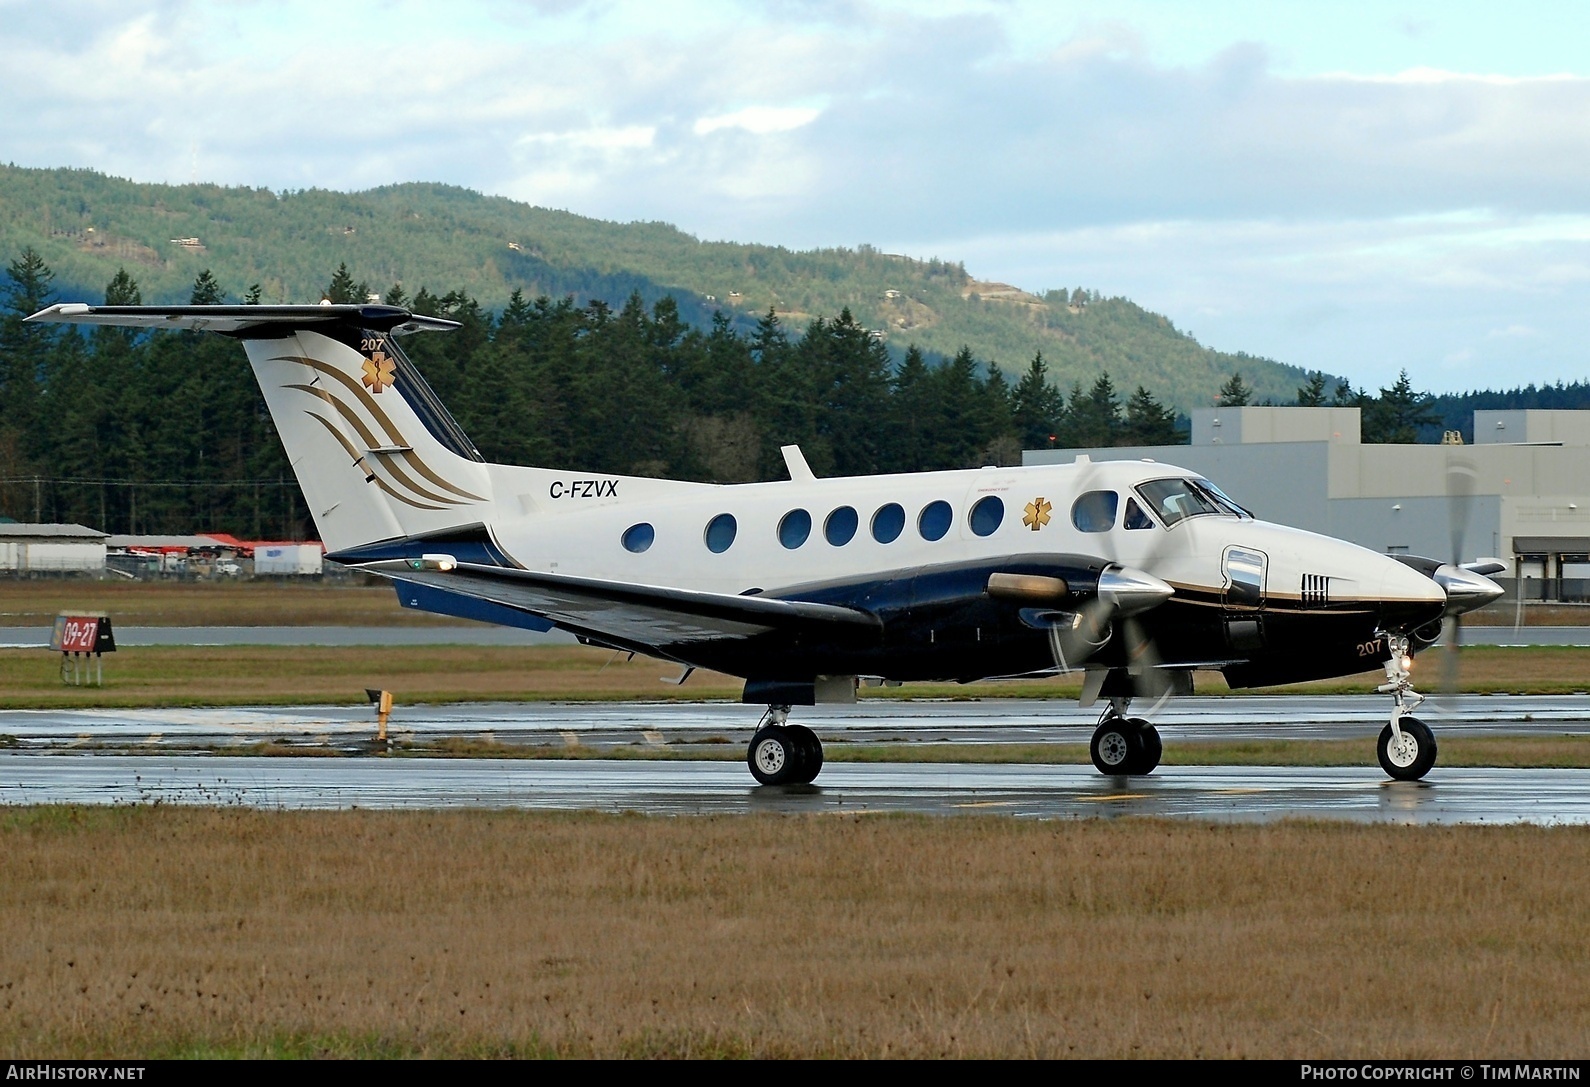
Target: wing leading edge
<point x="642" y="616"/>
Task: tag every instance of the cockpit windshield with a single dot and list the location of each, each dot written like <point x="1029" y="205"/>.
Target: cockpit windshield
<point x="1175" y="499"/>
<point x="1223" y="498"/>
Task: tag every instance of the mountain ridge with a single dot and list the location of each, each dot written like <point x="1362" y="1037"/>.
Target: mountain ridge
<point x="442" y="237"/>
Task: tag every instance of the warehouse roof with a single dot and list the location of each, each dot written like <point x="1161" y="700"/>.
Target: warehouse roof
<point x="54" y="532"/>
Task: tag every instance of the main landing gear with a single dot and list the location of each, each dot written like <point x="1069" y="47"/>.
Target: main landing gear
<point x="1407" y="746"/>
<point x="1123" y="745"/>
<point x="784" y="754"/>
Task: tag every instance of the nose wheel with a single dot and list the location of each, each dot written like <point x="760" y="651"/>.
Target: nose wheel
<point x="1124" y="746"/>
<point x="1408" y="753"/>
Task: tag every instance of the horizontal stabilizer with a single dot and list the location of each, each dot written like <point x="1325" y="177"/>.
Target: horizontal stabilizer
<point x="239" y="319"/>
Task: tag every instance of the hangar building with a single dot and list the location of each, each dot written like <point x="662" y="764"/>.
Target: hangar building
<point x="1520" y="493"/>
<point x="50" y="549"/>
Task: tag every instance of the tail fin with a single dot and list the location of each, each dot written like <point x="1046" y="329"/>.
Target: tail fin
<point x="376" y="453"/>
<point x="374" y="450"/>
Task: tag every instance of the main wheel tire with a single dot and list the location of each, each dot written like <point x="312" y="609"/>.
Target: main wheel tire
<point x="810" y="750"/>
<point x="774" y="756"/>
<point x="1116" y="747"/>
<point x="1152" y="747"/>
<point x="1412" y="758"/>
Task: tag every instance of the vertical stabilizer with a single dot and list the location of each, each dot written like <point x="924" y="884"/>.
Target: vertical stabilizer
<point x="376" y="453"/>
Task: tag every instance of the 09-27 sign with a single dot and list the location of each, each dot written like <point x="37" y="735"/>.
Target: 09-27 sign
<point x="82" y="634"/>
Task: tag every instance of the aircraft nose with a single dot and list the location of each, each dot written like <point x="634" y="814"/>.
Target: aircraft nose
<point x="1402" y="587"/>
<point x="1465" y="590"/>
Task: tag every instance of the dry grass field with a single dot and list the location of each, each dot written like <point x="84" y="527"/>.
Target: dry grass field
<point x="180" y="932"/>
<point x="307" y="675"/>
<point x="36" y="602"/>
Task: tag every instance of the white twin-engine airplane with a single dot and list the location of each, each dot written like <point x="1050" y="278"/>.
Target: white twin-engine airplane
<point x="1135" y="572"/>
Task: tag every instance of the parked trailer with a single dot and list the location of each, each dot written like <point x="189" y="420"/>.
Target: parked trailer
<point x="293" y="560"/>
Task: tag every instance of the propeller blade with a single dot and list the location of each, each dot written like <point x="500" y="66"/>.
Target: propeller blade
<point x="1074" y="643"/>
<point x="1465" y="588"/>
<point x="1149" y="680"/>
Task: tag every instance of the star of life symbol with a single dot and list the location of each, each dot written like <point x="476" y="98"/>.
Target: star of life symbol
<point x="378" y="371"/>
<point x="1036" y="515"/>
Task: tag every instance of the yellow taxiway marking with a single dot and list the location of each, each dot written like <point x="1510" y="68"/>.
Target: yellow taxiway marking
<point x="653" y="736"/>
<point x="570" y="739"/>
<point x="155" y="737"/>
<point x="986" y="804"/>
<point x="1117" y="796"/>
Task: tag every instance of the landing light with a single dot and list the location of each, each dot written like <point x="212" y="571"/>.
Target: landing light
<point x="443" y="563"/>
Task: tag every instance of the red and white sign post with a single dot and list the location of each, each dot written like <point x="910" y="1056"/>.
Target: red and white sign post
<point x="75" y="637"/>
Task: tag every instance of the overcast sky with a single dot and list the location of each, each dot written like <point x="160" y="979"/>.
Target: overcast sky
<point x="1356" y="187"/>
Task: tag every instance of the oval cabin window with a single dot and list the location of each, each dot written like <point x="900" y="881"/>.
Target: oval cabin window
<point x="840" y="528"/>
<point x="888" y="523"/>
<point x="720" y="533"/>
<point x="987" y="515"/>
<point x="794" y="528"/>
<point x="934" y="521"/>
<point x="638" y="538"/>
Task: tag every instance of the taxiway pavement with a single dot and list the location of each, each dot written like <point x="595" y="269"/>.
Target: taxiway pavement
<point x="872" y="720"/>
<point x="679" y="788"/>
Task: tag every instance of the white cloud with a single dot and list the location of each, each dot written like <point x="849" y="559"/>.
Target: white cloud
<point x="760" y="120"/>
<point x="1348" y="222"/>
<point x="628" y="137"/>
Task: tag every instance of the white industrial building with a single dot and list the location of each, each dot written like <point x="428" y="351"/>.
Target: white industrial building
<point x="1520" y="492"/>
<point x="50" y="549"/>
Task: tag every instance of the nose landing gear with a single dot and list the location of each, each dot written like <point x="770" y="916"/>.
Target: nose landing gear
<point x="1406" y="747"/>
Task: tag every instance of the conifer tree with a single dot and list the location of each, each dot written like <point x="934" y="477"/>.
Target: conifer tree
<point x="1148" y="422"/>
<point x="206" y="291"/>
<point x="1234" y="393"/>
<point x="1037" y="407"/>
<point x="1312" y="393"/>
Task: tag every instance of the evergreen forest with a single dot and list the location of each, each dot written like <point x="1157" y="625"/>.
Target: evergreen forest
<point x="167" y="432"/>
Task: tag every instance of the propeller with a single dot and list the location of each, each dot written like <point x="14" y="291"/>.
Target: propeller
<point x="1460" y="485"/>
<point x="1466" y="585"/>
<point x="1123" y="594"/>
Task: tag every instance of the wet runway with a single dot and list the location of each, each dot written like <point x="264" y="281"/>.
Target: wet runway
<point x="678" y="788"/>
<point x="1004" y="720"/>
<point x="83" y="756"/>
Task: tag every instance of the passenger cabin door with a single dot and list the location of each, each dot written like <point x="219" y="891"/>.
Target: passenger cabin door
<point x="1243" y="601"/>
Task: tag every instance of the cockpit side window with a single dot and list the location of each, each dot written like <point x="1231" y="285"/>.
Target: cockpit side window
<point x="1135" y="517"/>
<point x="1095" y="511"/>
<point x="1175" y="499"/>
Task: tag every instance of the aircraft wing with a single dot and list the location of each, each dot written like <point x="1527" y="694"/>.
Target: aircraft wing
<point x="641" y="616"/>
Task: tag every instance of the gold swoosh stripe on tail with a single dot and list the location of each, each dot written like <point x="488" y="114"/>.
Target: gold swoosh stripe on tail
<point x="370" y="442"/>
<point x="354" y="453"/>
<point x="393" y="433"/>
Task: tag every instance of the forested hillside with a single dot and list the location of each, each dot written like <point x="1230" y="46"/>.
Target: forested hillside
<point x="86" y="226"/>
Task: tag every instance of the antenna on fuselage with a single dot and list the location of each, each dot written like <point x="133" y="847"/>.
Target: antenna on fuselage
<point x="795" y="461"/>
